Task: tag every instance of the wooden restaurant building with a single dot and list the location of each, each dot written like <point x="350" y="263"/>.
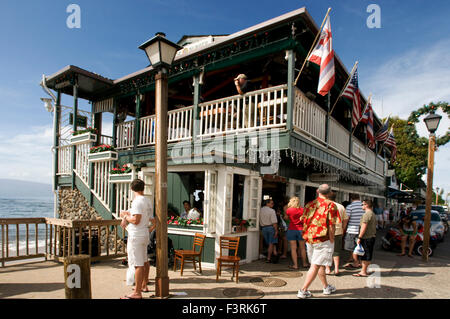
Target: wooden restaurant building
<point x="226" y="152"/>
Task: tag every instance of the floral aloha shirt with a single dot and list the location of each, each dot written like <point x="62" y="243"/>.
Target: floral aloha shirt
<point x="316" y="217"/>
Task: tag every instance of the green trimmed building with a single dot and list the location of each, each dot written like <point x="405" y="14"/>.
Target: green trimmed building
<point x="226" y="152"/>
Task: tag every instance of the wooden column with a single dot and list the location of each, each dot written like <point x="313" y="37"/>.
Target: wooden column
<point x="291" y="90"/>
<point x="196" y="111"/>
<point x="56" y="121"/>
<point x="427" y="220"/>
<point x="75" y="117"/>
<point x="77" y="277"/>
<point x="161" y="101"/>
<point x="137" y="123"/>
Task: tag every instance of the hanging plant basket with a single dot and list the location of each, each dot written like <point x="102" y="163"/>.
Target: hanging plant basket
<point x="83" y="138"/>
<point x="103" y="156"/>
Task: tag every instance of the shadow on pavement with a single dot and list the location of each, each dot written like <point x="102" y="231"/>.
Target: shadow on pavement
<point x="11" y="290"/>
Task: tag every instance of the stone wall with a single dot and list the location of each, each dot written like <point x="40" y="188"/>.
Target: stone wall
<point x="73" y="205"/>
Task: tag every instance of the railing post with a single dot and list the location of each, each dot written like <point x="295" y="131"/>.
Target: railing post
<point x="137" y="123"/>
<point x="75" y="118"/>
<point x="196" y="108"/>
<point x="290" y="88"/>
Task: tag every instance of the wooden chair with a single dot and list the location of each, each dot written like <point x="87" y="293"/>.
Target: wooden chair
<point x="231" y="260"/>
<point x="193" y="256"/>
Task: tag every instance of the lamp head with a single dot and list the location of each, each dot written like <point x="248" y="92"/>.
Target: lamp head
<point x="432" y="122"/>
<point x="47" y="104"/>
<point x="160" y="51"/>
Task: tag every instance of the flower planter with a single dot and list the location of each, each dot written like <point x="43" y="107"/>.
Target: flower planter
<point x="103" y="156"/>
<point x="121" y="178"/>
<point x="195" y="227"/>
<point x="83" y="138"/>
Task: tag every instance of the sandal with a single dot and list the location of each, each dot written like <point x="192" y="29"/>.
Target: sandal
<point x="292" y="267"/>
<point x="129" y="297"/>
<point x="359" y="275"/>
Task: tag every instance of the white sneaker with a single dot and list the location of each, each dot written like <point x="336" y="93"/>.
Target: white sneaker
<point x="304" y="294"/>
<point x="329" y="290"/>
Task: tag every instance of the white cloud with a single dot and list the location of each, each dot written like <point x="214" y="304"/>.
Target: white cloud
<point x="407" y="82"/>
<point x="27" y="155"/>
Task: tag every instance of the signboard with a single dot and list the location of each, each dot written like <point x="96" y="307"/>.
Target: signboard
<point x="324" y="178"/>
<point x="81" y="120"/>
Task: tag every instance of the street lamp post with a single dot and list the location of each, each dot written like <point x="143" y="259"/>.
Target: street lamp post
<point x="161" y="53"/>
<point x="432" y="123"/>
<point x="437" y="196"/>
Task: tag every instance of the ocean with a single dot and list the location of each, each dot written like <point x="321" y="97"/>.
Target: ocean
<point x="30" y="207"/>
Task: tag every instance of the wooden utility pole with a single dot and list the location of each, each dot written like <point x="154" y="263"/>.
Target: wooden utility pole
<point x="427" y="221"/>
<point x="161" y="101"/>
<point x="77" y="277"/>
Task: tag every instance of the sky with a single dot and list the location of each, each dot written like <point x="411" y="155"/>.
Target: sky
<point x="404" y="63"/>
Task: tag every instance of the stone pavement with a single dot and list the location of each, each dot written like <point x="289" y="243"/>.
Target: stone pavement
<point x="400" y="277"/>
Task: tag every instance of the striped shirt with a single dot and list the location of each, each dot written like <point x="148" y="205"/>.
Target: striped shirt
<point x="354" y="212"/>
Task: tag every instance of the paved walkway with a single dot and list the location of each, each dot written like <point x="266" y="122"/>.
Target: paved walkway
<point x="400" y="277"/>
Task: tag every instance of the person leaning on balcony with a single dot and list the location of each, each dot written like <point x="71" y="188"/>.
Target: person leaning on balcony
<point x="243" y="85"/>
<point x="269" y="225"/>
<point x="138" y="218"/>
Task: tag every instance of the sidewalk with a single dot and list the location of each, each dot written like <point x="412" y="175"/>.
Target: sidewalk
<point x="400" y="277"/>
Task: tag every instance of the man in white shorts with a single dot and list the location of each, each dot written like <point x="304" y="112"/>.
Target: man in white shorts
<point x="137" y="222"/>
<point x="319" y="219"/>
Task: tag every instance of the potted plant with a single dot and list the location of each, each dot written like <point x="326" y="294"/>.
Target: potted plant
<point x="121" y="174"/>
<point x="240" y="225"/>
<point x="88" y="135"/>
<point x="102" y="153"/>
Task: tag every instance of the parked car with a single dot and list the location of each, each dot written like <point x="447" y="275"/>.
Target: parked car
<point x="437" y="226"/>
<point x="442" y="213"/>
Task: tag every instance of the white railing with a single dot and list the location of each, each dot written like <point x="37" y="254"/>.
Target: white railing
<point x="123" y="197"/>
<point x="260" y="109"/>
<point x="370" y="159"/>
<point x="101" y="181"/>
<point x="358" y="149"/>
<point x="308" y="117"/>
<point x="179" y="123"/>
<point x="82" y="163"/>
<point x="338" y="137"/>
<point x="64" y="160"/>
<point x="147" y="134"/>
<point x="104" y="139"/>
<point x="125" y="135"/>
<point x="380" y="166"/>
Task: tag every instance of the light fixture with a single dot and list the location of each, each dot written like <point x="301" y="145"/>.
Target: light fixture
<point x="47" y="104"/>
<point x="432" y="122"/>
<point x="160" y="51"/>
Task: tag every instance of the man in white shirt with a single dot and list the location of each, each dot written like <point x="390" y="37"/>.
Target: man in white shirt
<point x="137" y="223"/>
<point x="269" y="226"/>
<point x="189" y="213"/>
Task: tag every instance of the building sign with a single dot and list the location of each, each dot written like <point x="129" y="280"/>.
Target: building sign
<point x="324" y="178"/>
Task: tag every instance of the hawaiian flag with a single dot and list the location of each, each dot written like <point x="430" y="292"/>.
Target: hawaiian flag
<point x="367" y="118"/>
<point x="391" y="142"/>
<point x="323" y="55"/>
<point x="352" y="92"/>
<point x="383" y="133"/>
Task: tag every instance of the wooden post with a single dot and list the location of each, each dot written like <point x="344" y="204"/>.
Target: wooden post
<point x="427" y="221"/>
<point x="291" y="92"/>
<point x="161" y="100"/>
<point x="77" y="277"/>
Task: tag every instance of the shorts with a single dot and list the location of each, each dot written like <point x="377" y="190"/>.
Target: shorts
<point x="368" y="245"/>
<point x="350" y="241"/>
<point x="320" y="254"/>
<point x="380" y="217"/>
<point x="337" y="245"/>
<point x="137" y="251"/>
<point x="386" y="217"/>
<point x="293" y="234"/>
<point x="268" y="233"/>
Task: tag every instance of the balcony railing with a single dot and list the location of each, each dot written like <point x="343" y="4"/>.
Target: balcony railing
<point x="256" y="110"/>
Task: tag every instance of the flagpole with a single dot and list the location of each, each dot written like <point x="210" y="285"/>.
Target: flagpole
<point x="368" y="101"/>
<point x="392" y="127"/>
<point x="345" y="85"/>
<point x="313" y="46"/>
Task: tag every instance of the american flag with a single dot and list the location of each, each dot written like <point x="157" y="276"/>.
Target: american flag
<point x="323" y="55"/>
<point x="352" y="92"/>
<point x="383" y="133"/>
<point x="367" y="118"/>
<point x="391" y="142"/>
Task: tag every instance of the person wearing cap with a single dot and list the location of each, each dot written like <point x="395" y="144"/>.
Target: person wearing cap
<point x="244" y="86"/>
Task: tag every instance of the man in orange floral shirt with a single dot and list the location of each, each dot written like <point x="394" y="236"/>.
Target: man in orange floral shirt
<point x="319" y="219"/>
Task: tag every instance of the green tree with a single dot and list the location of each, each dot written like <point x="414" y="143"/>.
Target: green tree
<point x="412" y="154"/>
